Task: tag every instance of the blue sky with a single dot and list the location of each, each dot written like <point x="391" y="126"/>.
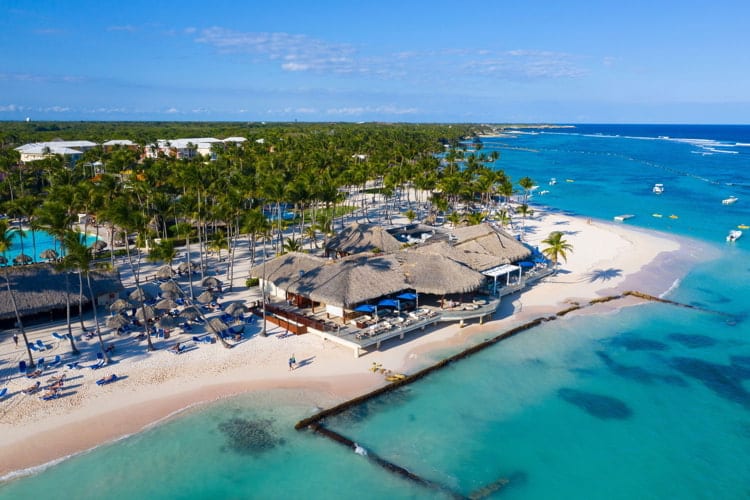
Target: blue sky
<point x="409" y="61"/>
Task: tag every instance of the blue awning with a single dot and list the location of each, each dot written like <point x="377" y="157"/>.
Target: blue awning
<point x="526" y="264"/>
<point x="366" y="308"/>
<point x="389" y="303"/>
<point x="407" y="296"/>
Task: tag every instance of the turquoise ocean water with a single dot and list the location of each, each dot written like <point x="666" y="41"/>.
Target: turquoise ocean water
<point x="647" y="402"/>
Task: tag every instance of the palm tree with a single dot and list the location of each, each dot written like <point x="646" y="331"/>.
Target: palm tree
<point x="526" y="183"/>
<point x="292" y="244"/>
<point x="525" y="211"/>
<point x="80" y="256"/>
<point x="556" y="248"/>
<point x="5" y="244"/>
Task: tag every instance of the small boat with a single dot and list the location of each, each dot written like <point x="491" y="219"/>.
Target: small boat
<point x="673" y="216"/>
<point x="658" y="216"/>
<point x="543" y="192"/>
<point x="623" y="217"/>
<point x="734" y="235"/>
<point x="658" y="188"/>
<point x="729" y="201"/>
<point x="569" y="180"/>
<point x="552" y="181"/>
<point x="743" y="226"/>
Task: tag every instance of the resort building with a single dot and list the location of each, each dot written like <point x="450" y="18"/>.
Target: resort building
<point x="189" y="148"/>
<point x="40" y="291"/>
<point x="121" y="143"/>
<point x="40" y="150"/>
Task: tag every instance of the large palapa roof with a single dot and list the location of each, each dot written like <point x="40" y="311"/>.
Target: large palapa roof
<point x="40" y="288"/>
<point x="480" y="247"/>
<point x="360" y="238"/>
<point x="359" y="278"/>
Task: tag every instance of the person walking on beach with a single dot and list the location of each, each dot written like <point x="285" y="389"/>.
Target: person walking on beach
<point x="292" y="362"/>
<point x="15" y="339"/>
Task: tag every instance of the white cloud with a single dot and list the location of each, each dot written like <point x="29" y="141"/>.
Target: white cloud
<point x="525" y="64"/>
<point x="127" y="28"/>
<point x="172" y="111"/>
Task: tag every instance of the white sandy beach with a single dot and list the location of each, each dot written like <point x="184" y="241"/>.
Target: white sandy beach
<point x="606" y="257"/>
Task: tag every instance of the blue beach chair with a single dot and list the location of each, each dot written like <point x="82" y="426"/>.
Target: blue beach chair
<point x="22" y="366"/>
<point x="100" y="361"/>
<point x="3" y="392"/>
<point x="55" y="362"/>
<point x="33" y="347"/>
<point x="41" y="345"/>
<point x="58" y="336"/>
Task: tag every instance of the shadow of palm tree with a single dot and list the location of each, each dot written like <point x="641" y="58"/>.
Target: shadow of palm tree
<point x="604" y="274"/>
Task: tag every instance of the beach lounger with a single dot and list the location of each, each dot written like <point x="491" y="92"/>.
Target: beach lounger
<point x="32" y="389"/>
<point x="41" y="345"/>
<point x="33" y="347"/>
<point x="40" y="363"/>
<point x="51" y="394"/>
<point x="73" y="366"/>
<point x="3" y="392"/>
<point x="203" y="339"/>
<point x="36" y="373"/>
<point x="58" y="336"/>
<point x="107" y="380"/>
<point x="22" y="366"/>
<point x="55" y="362"/>
<point x="100" y="361"/>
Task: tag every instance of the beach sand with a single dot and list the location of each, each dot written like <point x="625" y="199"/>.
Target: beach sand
<point x="606" y="258"/>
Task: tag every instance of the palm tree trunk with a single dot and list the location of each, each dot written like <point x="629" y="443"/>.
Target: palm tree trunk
<point x="18" y="318"/>
<point x="96" y="319"/>
<point x="73" y="349"/>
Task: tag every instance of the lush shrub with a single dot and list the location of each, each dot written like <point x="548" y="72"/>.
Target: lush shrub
<point x="251" y="282"/>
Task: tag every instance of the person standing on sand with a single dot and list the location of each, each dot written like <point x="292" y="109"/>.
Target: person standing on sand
<point x="15" y="339"/>
<point x="292" y="362"/>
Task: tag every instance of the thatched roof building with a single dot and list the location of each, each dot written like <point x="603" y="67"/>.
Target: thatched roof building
<point x="479" y="247"/>
<point x="359" y="278"/>
<point x="361" y="238"/>
<point x="39" y="288"/>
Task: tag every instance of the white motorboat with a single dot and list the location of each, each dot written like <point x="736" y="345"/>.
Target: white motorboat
<point x="658" y="188"/>
<point x="729" y="201"/>
<point x="734" y="235"/>
<point x="552" y="181"/>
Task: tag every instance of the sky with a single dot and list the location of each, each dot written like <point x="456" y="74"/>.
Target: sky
<point x="499" y="61"/>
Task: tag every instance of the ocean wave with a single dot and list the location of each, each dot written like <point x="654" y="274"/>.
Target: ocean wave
<point x="671" y="288"/>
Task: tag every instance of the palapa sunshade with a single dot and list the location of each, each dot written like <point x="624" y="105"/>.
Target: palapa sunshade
<point x="139" y="295"/>
<point x="211" y="282"/>
<point x="189" y="314"/>
<point x="205" y="297"/>
<point x="117" y="321"/>
<point x="165" y="305"/>
<point x="166" y="322"/>
<point x="169" y="295"/>
<point x="150" y="313"/>
<point x="169" y="286"/>
<point x="236" y="309"/>
<point x="49" y="254"/>
<point x="22" y="258"/>
<point x="184" y="267"/>
<point x="164" y="272"/>
<point x="99" y="245"/>
<point x="216" y="325"/>
<point x="120" y="305"/>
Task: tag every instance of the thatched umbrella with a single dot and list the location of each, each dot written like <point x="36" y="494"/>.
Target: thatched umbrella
<point x="140" y="295"/>
<point x="211" y="282"/>
<point x="184" y="267"/>
<point x="217" y="326"/>
<point x="49" y="254"/>
<point x="188" y="315"/>
<point x="99" y="245"/>
<point x="164" y="272"/>
<point x="169" y="286"/>
<point x="145" y="313"/>
<point x="205" y="297"/>
<point x="236" y="309"/>
<point x="22" y="258"/>
<point x="165" y="305"/>
<point x="166" y="322"/>
<point x="120" y="305"/>
<point x="169" y="295"/>
<point x="117" y="321"/>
